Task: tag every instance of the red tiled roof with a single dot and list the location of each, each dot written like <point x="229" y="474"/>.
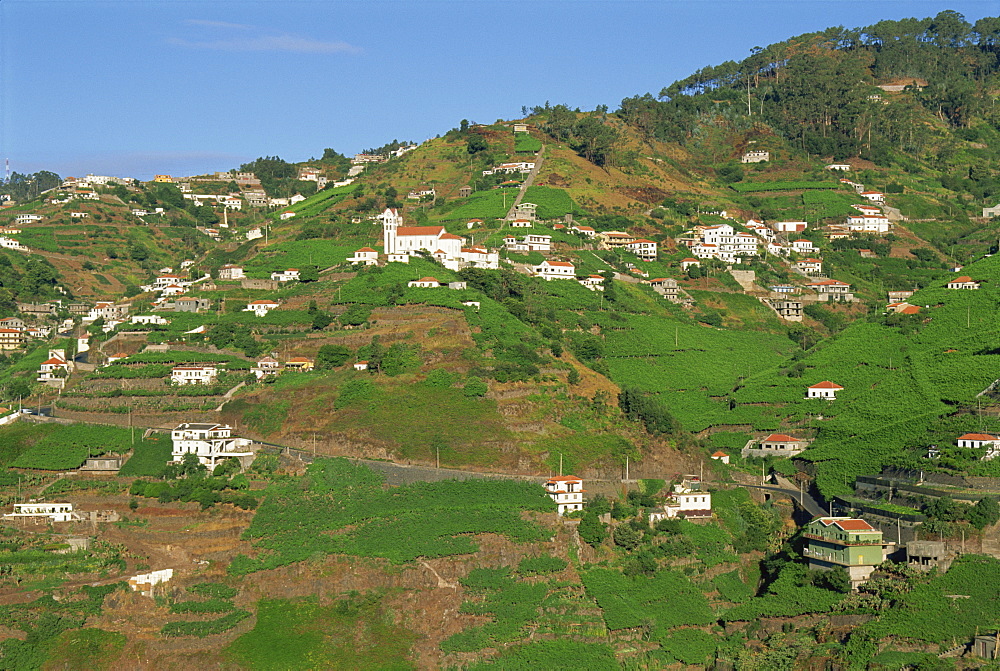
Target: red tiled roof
<point x="910" y="310"/>
<point x="299" y="359"/>
<point x="53" y="360"/>
<point x="429" y="279"/>
<point x="563" y="264"/>
<point x="720" y="453"/>
<point x="419" y="230"/>
<point x="780" y="438"/>
<point x="826" y="384"/>
<point x="963" y="278"/>
<point x="977" y="436"/>
<point x="450" y="236"/>
<point x="689" y="259"/>
<point x="365" y="249"/>
<point x="565" y="478"/>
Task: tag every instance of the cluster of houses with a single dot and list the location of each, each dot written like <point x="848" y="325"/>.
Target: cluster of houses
<point x="207" y="373"/>
<point x="687" y="499"/>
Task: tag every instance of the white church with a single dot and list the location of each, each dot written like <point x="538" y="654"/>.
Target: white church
<point x="401" y="242"/>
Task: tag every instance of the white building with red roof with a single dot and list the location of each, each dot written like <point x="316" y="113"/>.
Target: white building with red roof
<point x="825" y="389"/>
<point x="832" y="288"/>
<point x="566" y="491"/>
<point x="448" y="248"/>
<point x="688" y="262"/>
<point x="425" y="283"/>
<point x="873" y="196"/>
<point x="963" y="282"/>
<point x="364" y="256"/>
<point x="977" y="440"/>
<point x="556" y="270"/>
<point x="584" y="230"/>
<point x="56" y="367"/>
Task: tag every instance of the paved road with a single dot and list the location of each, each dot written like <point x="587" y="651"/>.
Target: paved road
<point x="803" y="499"/>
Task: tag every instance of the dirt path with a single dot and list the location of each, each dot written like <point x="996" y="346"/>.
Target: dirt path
<point x="529" y="180"/>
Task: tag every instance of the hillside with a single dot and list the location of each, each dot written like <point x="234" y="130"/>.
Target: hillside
<point x="757" y="228"/>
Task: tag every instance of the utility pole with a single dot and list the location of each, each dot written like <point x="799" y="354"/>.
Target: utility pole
<point x="560" y="463"/>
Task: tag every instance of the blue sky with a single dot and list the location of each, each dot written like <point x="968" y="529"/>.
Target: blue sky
<point x="141" y="87"/>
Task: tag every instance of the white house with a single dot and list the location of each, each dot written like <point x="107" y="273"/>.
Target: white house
<point x="978" y="440"/>
<point x="803" y="245"/>
<point x="719" y="455"/>
<point x="56" y="512"/>
<point x="593" y="282"/>
<point x="520" y="223"/>
<point x="781" y="444"/>
<point x="361" y="365"/>
<point x="231" y="272"/>
<point x="425" y="283"/>
<point x="285" y="275"/>
<point x="149" y="319"/>
<point x="643" y="248"/>
<point x="480" y="257"/>
<point x="810" y="265"/>
<point x="261" y="307"/>
<point x="522" y="167"/>
<point x="172" y="290"/>
<point x="530" y="243"/>
<point x="266" y="366"/>
<point x="868" y="223"/>
<point x="27" y="219"/>
<point x="688" y="262"/>
<point x="757" y="156"/>
<point x="566" y="491"/>
<point x="211" y="443"/>
<point x="963" y="282"/>
<point x="255" y="234"/>
<point x="556" y="270"/>
<point x="584" y="230"/>
<point x="365" y="256"/>
<point x="193" y="374"/>
<point x="873" y="196"/>
<point x="831" y="288"/>
<point x="842" y="167"/>
<point x="286" y="215"/>
<point x="825" y="389"/>
<point x="421" y="192"/>
<point x="51" y="367"/>
<point x="687" y="500"/>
